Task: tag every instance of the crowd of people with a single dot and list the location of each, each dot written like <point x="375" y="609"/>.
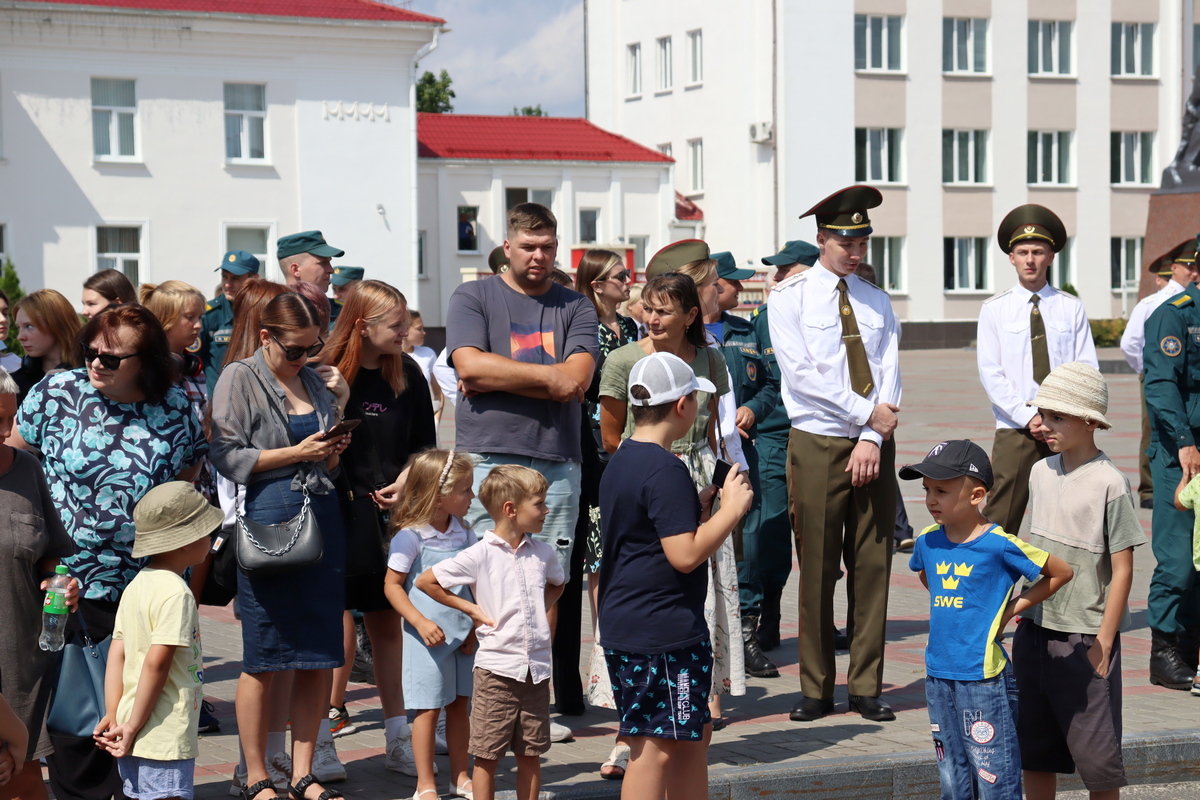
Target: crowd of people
<point x="278" y="447"/>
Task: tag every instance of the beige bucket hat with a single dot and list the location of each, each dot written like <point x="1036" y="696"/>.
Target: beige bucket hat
<point x="170" y="516"/>
<point x="1076" y="389"/>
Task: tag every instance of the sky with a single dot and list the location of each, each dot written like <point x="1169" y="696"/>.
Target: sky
<point x="499" y="58"/>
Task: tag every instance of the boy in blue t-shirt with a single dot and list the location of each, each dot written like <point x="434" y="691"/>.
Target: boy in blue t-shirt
<point x="970" y="567"/>
<point x="652" y="587"/>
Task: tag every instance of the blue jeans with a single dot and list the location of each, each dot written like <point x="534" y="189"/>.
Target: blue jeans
<point x="974" y="726"/>
<point x="562" y="498"/>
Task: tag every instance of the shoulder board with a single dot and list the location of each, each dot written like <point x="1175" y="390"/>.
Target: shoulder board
<point x="208" y="306"/>
<point x="758" y="310"/>
<point x="792" y="281"/>
<point x="997" y="296"/>
<point x="1182" y="300"/>
<point x="336" y="302"/>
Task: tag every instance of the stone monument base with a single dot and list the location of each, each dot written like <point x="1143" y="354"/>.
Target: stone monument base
<point x="1174" y="217"/>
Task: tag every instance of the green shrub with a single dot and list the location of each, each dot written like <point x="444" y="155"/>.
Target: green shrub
<point x="10" y="284"/>
<point x="1107" y="332"/>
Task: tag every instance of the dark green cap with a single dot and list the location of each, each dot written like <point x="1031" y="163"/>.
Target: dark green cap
<point x="311" y="242"/>
<point x="497" y="261"/>
<point x="844" y="213"/>
<point x="795" y="252"/>
<point x="239" y="262"/>
<point x="343" y="275"/>
<point x="1031" y="222"/>
<point x="676" y="255"/>
<point x="727" y="268"/>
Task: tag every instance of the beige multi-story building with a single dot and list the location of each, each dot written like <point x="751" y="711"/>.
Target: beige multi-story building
<point x="958" y="110"/>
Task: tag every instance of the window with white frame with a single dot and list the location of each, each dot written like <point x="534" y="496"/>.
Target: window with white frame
<point x="468" y="229"/>
<point x="964" y="45"/>
<point x="1126" y="261"/>
<point x="1131" y="157"/>
<point x="1060" y="273"/>
<point x="964" y="156"/>
<point x="1049" y="161"/>
<point x="696" y="164"/>
<point x="885" y="253"/>
<point x="666" y="78"/>
<point x="114" y="119"/>
<point x="1049" y="47"/>
<point x="633" y="68"/>
<point x="640" y="245"/>
<point x="877" y="154"/>
<point x="588" y="219"/>
<point x="254" y="239"/>
<point x="1133" y="49"/>
<point x="877" y="43"/>
<point x="695" y="56"/>
<point x="965" y="264"/>
<point x="245" y="121"/>
<point x="119" y="247"/>
<point x="421" y="273"/>
<point x="514" y="196"/>
<point x="665" y="149"/>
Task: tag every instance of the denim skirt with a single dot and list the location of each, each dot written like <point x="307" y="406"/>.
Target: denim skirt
<point x="294" y="620"/>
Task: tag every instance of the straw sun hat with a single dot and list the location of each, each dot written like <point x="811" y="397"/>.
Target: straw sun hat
<point x="1076" y="389"/>
<point x="170" y="516"/>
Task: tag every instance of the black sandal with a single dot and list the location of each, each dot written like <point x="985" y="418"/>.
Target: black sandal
<point x="250" y="792"/>
<point x="308" y="780"/>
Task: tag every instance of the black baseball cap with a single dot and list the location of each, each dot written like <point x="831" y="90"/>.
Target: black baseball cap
<point x="952" y="459"/>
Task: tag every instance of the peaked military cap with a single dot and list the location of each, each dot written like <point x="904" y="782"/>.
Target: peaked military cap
<point x="1182" y="253"/>
<point x="844" y="213"/>
<point x="312" y="242"/>
<point x="1031" y="221"/>
<point x="795" y="252"/>
<point x="727" y="267"/>
<point x="239" y="262"/>
<point x="497" y="261"/>
<point x="676" y="255"/>
<point x="344" y="275"/>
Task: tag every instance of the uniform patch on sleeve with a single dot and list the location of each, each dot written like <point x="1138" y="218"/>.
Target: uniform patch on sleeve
<point x="751" y="371"/>
<point x="1171" y="346"/>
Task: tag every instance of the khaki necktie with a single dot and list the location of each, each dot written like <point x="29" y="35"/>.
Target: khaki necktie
<point x="856" y="353"/>
<point x="1037" y="338"/>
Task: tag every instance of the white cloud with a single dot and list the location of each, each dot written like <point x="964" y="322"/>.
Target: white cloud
<point x="500" y="57"/>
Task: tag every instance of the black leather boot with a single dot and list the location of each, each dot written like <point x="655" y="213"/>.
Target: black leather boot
<point x="1166" y="667"/>
<point x="1188" y="646"/>
<point x="757" y="664"/>
<point x="768" y="623"/>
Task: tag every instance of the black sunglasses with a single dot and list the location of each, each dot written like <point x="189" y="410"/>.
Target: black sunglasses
<point x="294" y="353"/>
<point x="107" y="360"/>
<point x="621" y="276"/>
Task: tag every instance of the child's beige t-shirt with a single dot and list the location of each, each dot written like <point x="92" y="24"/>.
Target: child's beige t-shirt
<point x="1083" y="517"/>
<point x="158" y="608"/>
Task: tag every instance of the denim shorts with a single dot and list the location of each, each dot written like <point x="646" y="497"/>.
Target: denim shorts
<point x="974" y="730"/>
<point x="148" y="779"/>
<point x="663" y="695"/>
<point x="562" y="498"/>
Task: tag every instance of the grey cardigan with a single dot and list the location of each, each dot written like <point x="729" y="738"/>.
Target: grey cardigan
<point x="244" y="424"/>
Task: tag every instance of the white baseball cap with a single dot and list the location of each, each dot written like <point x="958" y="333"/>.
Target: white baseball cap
<point x="667" y="378"/>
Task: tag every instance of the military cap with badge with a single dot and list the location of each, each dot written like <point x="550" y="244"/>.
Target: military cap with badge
<point x="1031" y="222"/>
<point x="345" y="275"/>
<point x="311" y="242"/>
<point x="497" y="260"/>
<point x="676" y="256"/>
<point x="728" y="269"/>
<point x="239" y="262"/>
<point x="797" y="251"/>
<point x="844" y="213"/>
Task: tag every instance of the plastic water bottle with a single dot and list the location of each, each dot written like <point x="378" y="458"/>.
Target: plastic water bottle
<point x="54" y="611"/>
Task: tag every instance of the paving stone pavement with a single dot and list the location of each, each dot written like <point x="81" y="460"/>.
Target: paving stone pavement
<point x="942" y="400"/>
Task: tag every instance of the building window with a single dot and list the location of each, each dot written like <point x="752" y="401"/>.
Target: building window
<point x="1131" y="156"/>
<point x="119" y="248"/>
<point x="877" y="43"/>
<point x="965" y="264"/>
<point x="877" y="155"/>
<point x="665" y="149"/>
<point x="1049" y="158"/>
<point x="253" y="239"/>
<point x="1133" y="49"/>
<point x="514" y="196"/>
<point x="884" y="253"/>
<point x="1126" y="261"/>
<point x="421" y="273"/>
<point x="666" y="78"/>
<point x="964" y="156"/>
<point x="1060" y="272"/>
<point x="964" y="45"/>
<point x="114" y="119"/>
<point x="640" y="245"/>
<point x="695" y="56"/>
<point x="588" y="217"/>
<point x="1049" y="47"/>
<point x="633" y="68"/>
<point x="245" y="121"/>
<point x="696" y="164"/>
<point x="468" y="229"/>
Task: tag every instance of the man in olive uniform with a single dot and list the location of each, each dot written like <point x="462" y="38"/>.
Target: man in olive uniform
<point x="341" y="280"/>
<point x="774" y="522"/>
<point x="216" y="326"/>
<point x="755" y="396"/>
<point x="1172" y="381"/>
<point x="837" y="341"/>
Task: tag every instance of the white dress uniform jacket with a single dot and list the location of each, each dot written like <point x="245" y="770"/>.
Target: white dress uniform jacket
<point x="1133" y="340"/>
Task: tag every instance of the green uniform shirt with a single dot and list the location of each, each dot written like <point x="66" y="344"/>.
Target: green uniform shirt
<point x="1172" y="370"/>
<point x="752" y="385"/>
<point x="776" y="424"/>
<point x="216" y="327"/>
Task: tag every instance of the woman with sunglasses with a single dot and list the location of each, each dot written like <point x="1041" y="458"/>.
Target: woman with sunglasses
<point x="110" y="431"/>
<point x="269" y="412"/>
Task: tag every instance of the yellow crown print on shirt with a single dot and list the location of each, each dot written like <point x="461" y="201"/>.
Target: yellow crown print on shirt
<point x="963" y="570"/>
<point x="942" y="569"/>
<point x="949" y="583"/>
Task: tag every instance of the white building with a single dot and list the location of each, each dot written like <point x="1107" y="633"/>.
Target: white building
<point x="605" y="190"/>
<point x="958" y="110"/>
<point x="154" y="139"/>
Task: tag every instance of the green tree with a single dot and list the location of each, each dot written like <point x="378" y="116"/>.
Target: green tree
<point x="529" y="111"/>
<point x="10" y="284"/>
<point x="434" y="93"/>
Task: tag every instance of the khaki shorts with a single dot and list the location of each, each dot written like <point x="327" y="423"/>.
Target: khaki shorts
<point x="507" y="713"/>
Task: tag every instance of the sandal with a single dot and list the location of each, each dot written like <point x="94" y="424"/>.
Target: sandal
<point x="297" y="791"/>
<point x="719" y="723"/>
<point x="250" y="792"/>
<point x="618" y="759"/>
<point x="433" y="792"/>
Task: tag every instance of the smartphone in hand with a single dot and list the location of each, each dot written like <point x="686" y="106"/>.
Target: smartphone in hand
<point x="720" y="473"/>
<point x="345" y="426"/>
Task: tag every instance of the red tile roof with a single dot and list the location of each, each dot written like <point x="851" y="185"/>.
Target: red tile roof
<point x="687" y="210"/>
<point x="317" y="9"/>
<point x="525" y="139"/>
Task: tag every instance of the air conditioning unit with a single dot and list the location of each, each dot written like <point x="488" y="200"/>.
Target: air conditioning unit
<point x="760" y="132"/>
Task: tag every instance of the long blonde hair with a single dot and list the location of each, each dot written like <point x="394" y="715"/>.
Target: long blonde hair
<point x="369" y="301"/>
<point x="432" y="474"/>
<point x="167" y="300"/>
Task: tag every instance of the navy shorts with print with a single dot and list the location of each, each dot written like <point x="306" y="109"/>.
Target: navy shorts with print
<point x="664" y="695"/>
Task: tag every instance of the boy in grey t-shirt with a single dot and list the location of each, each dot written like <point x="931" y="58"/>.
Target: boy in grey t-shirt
<point x="1067" y="651"/>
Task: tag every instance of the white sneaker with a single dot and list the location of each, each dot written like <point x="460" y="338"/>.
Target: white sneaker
<point x="439" y="737"/>
<point x="278" y="777"/>
<point x="560" y="733"/>
<point x="400" y="757"/>
<point x="326" y="765"/>
<point x="1196" y="685"/>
